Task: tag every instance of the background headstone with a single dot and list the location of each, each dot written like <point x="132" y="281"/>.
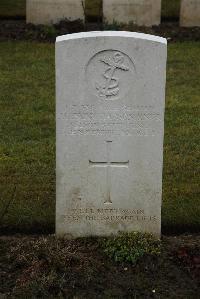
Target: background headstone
<point x="190" y="13"/>
<point x="52" y="11"/>
<point x="110" y="127"/>
<point x="140" y="12"/>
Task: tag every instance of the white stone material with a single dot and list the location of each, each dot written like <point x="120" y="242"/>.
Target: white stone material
<point x="53" y="11"/>
<point x="190" y="13"/>
<point x="139" y="12"/>
<point x="110" y="124"/>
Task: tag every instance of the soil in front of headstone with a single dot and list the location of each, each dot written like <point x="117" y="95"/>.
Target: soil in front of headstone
<point x="45" y="267"/>
<point x="19" y="30"/>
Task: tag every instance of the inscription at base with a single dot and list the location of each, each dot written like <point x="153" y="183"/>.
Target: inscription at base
<point x="107" y="215"/>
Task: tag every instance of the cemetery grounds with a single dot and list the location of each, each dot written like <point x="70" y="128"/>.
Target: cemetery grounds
<point x="33" y="263"/>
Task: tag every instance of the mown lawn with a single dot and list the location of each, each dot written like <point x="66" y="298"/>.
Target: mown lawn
<point x="170" y="8"/>
<point x="27" y="149"/>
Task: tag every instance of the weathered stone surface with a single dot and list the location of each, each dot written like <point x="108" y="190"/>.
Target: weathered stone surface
<point x="190" y="13"/>
<point x="52" y="11"/>
<point x="110" y="126"/>
<point x="140" y="12"/>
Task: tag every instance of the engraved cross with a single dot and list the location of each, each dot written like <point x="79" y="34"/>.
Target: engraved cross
<point x="108" y="165"/>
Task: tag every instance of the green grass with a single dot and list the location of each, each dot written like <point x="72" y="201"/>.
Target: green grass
<point x="170" y="8"/>
<point x="28" y="141"/>
<point x="27" y="150"/>
<point x="93" y="8"/>
<point x="180" y="191"/>
<point x="12" y="8"/>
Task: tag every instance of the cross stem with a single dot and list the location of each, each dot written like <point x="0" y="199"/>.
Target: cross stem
<point x="108" y="165"/>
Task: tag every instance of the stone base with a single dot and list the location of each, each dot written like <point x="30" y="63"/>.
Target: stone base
<point x="190" y="13"/>
<point x="52" y="11"/>
<point x="139" y="12"/>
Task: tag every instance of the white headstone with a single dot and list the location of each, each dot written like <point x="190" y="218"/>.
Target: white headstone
<point x="139" y="12"/>
<point x="53" y="11"/>
<point x="110" y="127"/>
<point x="190" y="13"/>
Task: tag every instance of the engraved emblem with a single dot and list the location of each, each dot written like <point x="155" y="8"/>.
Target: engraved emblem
<point x="110" y="74"/>
<point x="111" y="86"/>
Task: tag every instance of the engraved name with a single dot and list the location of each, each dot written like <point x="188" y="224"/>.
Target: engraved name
<point x="85" y="120"/>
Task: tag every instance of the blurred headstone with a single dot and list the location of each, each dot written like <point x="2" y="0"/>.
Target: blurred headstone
<point x="190" y="13"/>
<point x="49" y="12"/>
<point x="138" y="12"/>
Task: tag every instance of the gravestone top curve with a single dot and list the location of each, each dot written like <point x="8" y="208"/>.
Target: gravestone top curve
<point x="125" y="34"/>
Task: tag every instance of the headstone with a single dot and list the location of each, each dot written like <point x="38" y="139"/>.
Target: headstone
<point x="53" y="11"/>
<point x="110" y="127"/>
<point x="139" y="12"/>
<point x="190" y="13"/>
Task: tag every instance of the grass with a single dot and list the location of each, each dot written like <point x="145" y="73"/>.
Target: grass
<point x="28" y="141"/>
<point x="180" y="189"/>
<point x="9" y="8"/>
<point x="171" y="8"/>
<point x="27" y="150"/>
<point x="93" y="9"/>
<point x="12" y="8"/>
